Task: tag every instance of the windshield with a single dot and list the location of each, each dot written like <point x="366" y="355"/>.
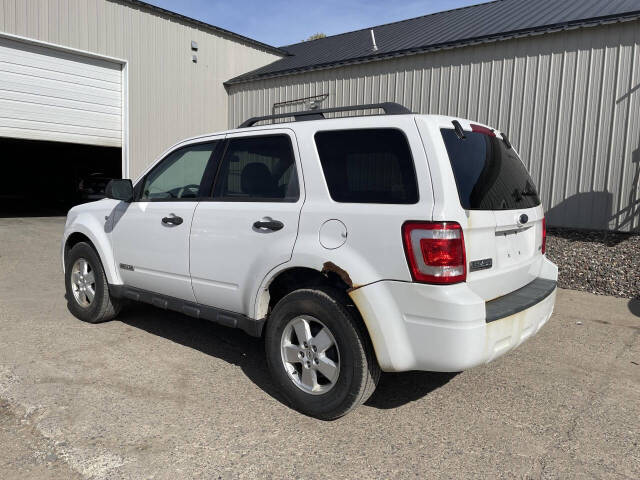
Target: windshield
<point x="489" y="175"/>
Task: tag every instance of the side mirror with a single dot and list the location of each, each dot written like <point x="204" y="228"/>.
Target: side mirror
<point x="119" y="190"/>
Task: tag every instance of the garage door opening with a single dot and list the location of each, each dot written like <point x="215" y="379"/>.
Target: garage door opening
<point x="42" y="178"/>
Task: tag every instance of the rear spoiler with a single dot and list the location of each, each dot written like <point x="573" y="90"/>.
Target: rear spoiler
<point x="479" y="129"/>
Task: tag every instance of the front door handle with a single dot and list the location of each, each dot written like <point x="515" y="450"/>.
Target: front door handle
<point x="173" y="220"/>
<point x="273" y="225"/>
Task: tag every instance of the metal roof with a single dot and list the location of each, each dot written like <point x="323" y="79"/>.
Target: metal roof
<point x="497" y="20"/>
<point x="203" y="25"/>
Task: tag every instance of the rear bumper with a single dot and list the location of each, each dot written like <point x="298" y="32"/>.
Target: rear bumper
<point x="450" y="328"/>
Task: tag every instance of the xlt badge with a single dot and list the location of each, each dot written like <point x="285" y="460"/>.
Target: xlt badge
<point x="480" y="264"/>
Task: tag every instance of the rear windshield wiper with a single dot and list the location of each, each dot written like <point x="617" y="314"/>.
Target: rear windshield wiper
<point x="529" y="191"/>
<point x="517" y="195"/>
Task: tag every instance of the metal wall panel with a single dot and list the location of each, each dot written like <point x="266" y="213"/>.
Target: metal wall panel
<point x="570" y="102"/>
<point x="169" y="96"/>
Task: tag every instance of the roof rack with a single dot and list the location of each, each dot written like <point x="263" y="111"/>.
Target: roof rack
<point x="389" y="108"/>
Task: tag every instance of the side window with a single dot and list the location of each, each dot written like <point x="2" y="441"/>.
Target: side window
<point x="258" y="169"/>
<point x="368" y="166"/>
<point x="179" y="175"/>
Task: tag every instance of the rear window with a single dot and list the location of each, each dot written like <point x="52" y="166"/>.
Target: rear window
<point x="489" y="175"/>
<point x="368" y="166"/>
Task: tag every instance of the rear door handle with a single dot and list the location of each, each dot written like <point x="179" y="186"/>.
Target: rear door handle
<point x="173" y="220"/>
<point x="273" y="225"/>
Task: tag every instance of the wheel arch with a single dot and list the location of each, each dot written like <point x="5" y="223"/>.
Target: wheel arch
<point x="75" y="238"/>
<point x="344" y="270"/>
<point x="87" y="229"/>
<point x="287" y="280"/>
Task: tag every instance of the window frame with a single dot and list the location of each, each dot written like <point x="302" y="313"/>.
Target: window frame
<point x="413" y="164"/>
<point x="252" y="135"/>
<point x="206" y="181"/>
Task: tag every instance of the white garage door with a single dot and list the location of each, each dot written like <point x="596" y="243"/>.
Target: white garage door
<point x="47" y="94"/>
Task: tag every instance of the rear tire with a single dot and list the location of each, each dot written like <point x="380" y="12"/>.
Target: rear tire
<point x="331" y="371"/>
<point x="86" y="285"/>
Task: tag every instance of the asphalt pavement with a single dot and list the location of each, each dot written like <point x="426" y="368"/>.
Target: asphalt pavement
<point x="159" y="395"/>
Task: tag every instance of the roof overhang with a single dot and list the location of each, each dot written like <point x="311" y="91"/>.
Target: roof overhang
<point x="204" y="26"/>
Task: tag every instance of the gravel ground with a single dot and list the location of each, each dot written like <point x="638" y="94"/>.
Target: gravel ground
<point x="598" y="262"/>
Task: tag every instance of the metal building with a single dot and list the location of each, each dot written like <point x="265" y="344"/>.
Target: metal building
<point x="562" y="78"/>
<point x="103" y="87"/>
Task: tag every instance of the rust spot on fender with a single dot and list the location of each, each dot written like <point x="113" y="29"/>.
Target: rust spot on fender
<point x="344" y="276"/>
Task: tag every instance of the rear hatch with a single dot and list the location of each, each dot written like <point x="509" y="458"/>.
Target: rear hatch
<point x="502" y="218"/>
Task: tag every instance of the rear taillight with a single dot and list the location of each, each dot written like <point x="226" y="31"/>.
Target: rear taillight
<point x="544" y="235"/>
<point x="435" y="252"/>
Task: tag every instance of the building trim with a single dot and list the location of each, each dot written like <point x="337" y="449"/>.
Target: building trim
<point x="125" y="121"/>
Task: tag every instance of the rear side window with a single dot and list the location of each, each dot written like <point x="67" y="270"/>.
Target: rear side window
<point x="489" y="175"/>
<point x="258" y="169"/>
<point x="367" y="166"/>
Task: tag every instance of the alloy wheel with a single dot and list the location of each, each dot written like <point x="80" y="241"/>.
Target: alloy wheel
<point x="83" y="282"/>
<point x="310" y="355"/>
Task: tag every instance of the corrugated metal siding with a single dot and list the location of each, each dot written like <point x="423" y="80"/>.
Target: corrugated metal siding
<point x="170" y="97"/>
<point x="570" y="102"/>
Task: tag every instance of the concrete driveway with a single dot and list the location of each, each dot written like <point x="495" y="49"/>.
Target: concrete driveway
<point x="160" y="395"/>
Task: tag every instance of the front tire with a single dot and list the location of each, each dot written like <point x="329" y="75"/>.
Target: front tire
<point x="86" y="285"/>
<point x="319" y="354"/>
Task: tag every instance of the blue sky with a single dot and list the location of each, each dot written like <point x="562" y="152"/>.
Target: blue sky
<point x="282" y="22"/>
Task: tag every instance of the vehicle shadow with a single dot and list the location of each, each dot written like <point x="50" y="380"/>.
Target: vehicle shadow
<point x="397" y="389"/>
<point x="634" y="306"/>
<point x="228" y="344"/>
<point x="236" y="347"/>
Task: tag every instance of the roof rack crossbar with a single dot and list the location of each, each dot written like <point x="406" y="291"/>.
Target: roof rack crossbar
<point x="389" y="108"/>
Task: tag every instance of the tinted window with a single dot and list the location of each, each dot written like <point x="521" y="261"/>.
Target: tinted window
<point x="489" y="175"/>
<point x="368" y="166"/>
<point x="179" y="175"/>
<point x="258" y="169"/>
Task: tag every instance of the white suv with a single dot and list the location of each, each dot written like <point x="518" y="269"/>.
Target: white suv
<point x="386" y="242"/>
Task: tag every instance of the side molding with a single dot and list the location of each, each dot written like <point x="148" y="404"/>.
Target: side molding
<point x="216" y="315"/>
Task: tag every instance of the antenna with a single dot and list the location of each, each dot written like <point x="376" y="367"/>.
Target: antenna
<point x="373" y="40"/>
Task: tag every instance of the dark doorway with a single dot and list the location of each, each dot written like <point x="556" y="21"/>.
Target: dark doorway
<point x="48" y="178"/>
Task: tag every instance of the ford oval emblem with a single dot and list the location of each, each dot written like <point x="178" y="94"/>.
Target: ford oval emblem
<point x="524" y="218"/>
